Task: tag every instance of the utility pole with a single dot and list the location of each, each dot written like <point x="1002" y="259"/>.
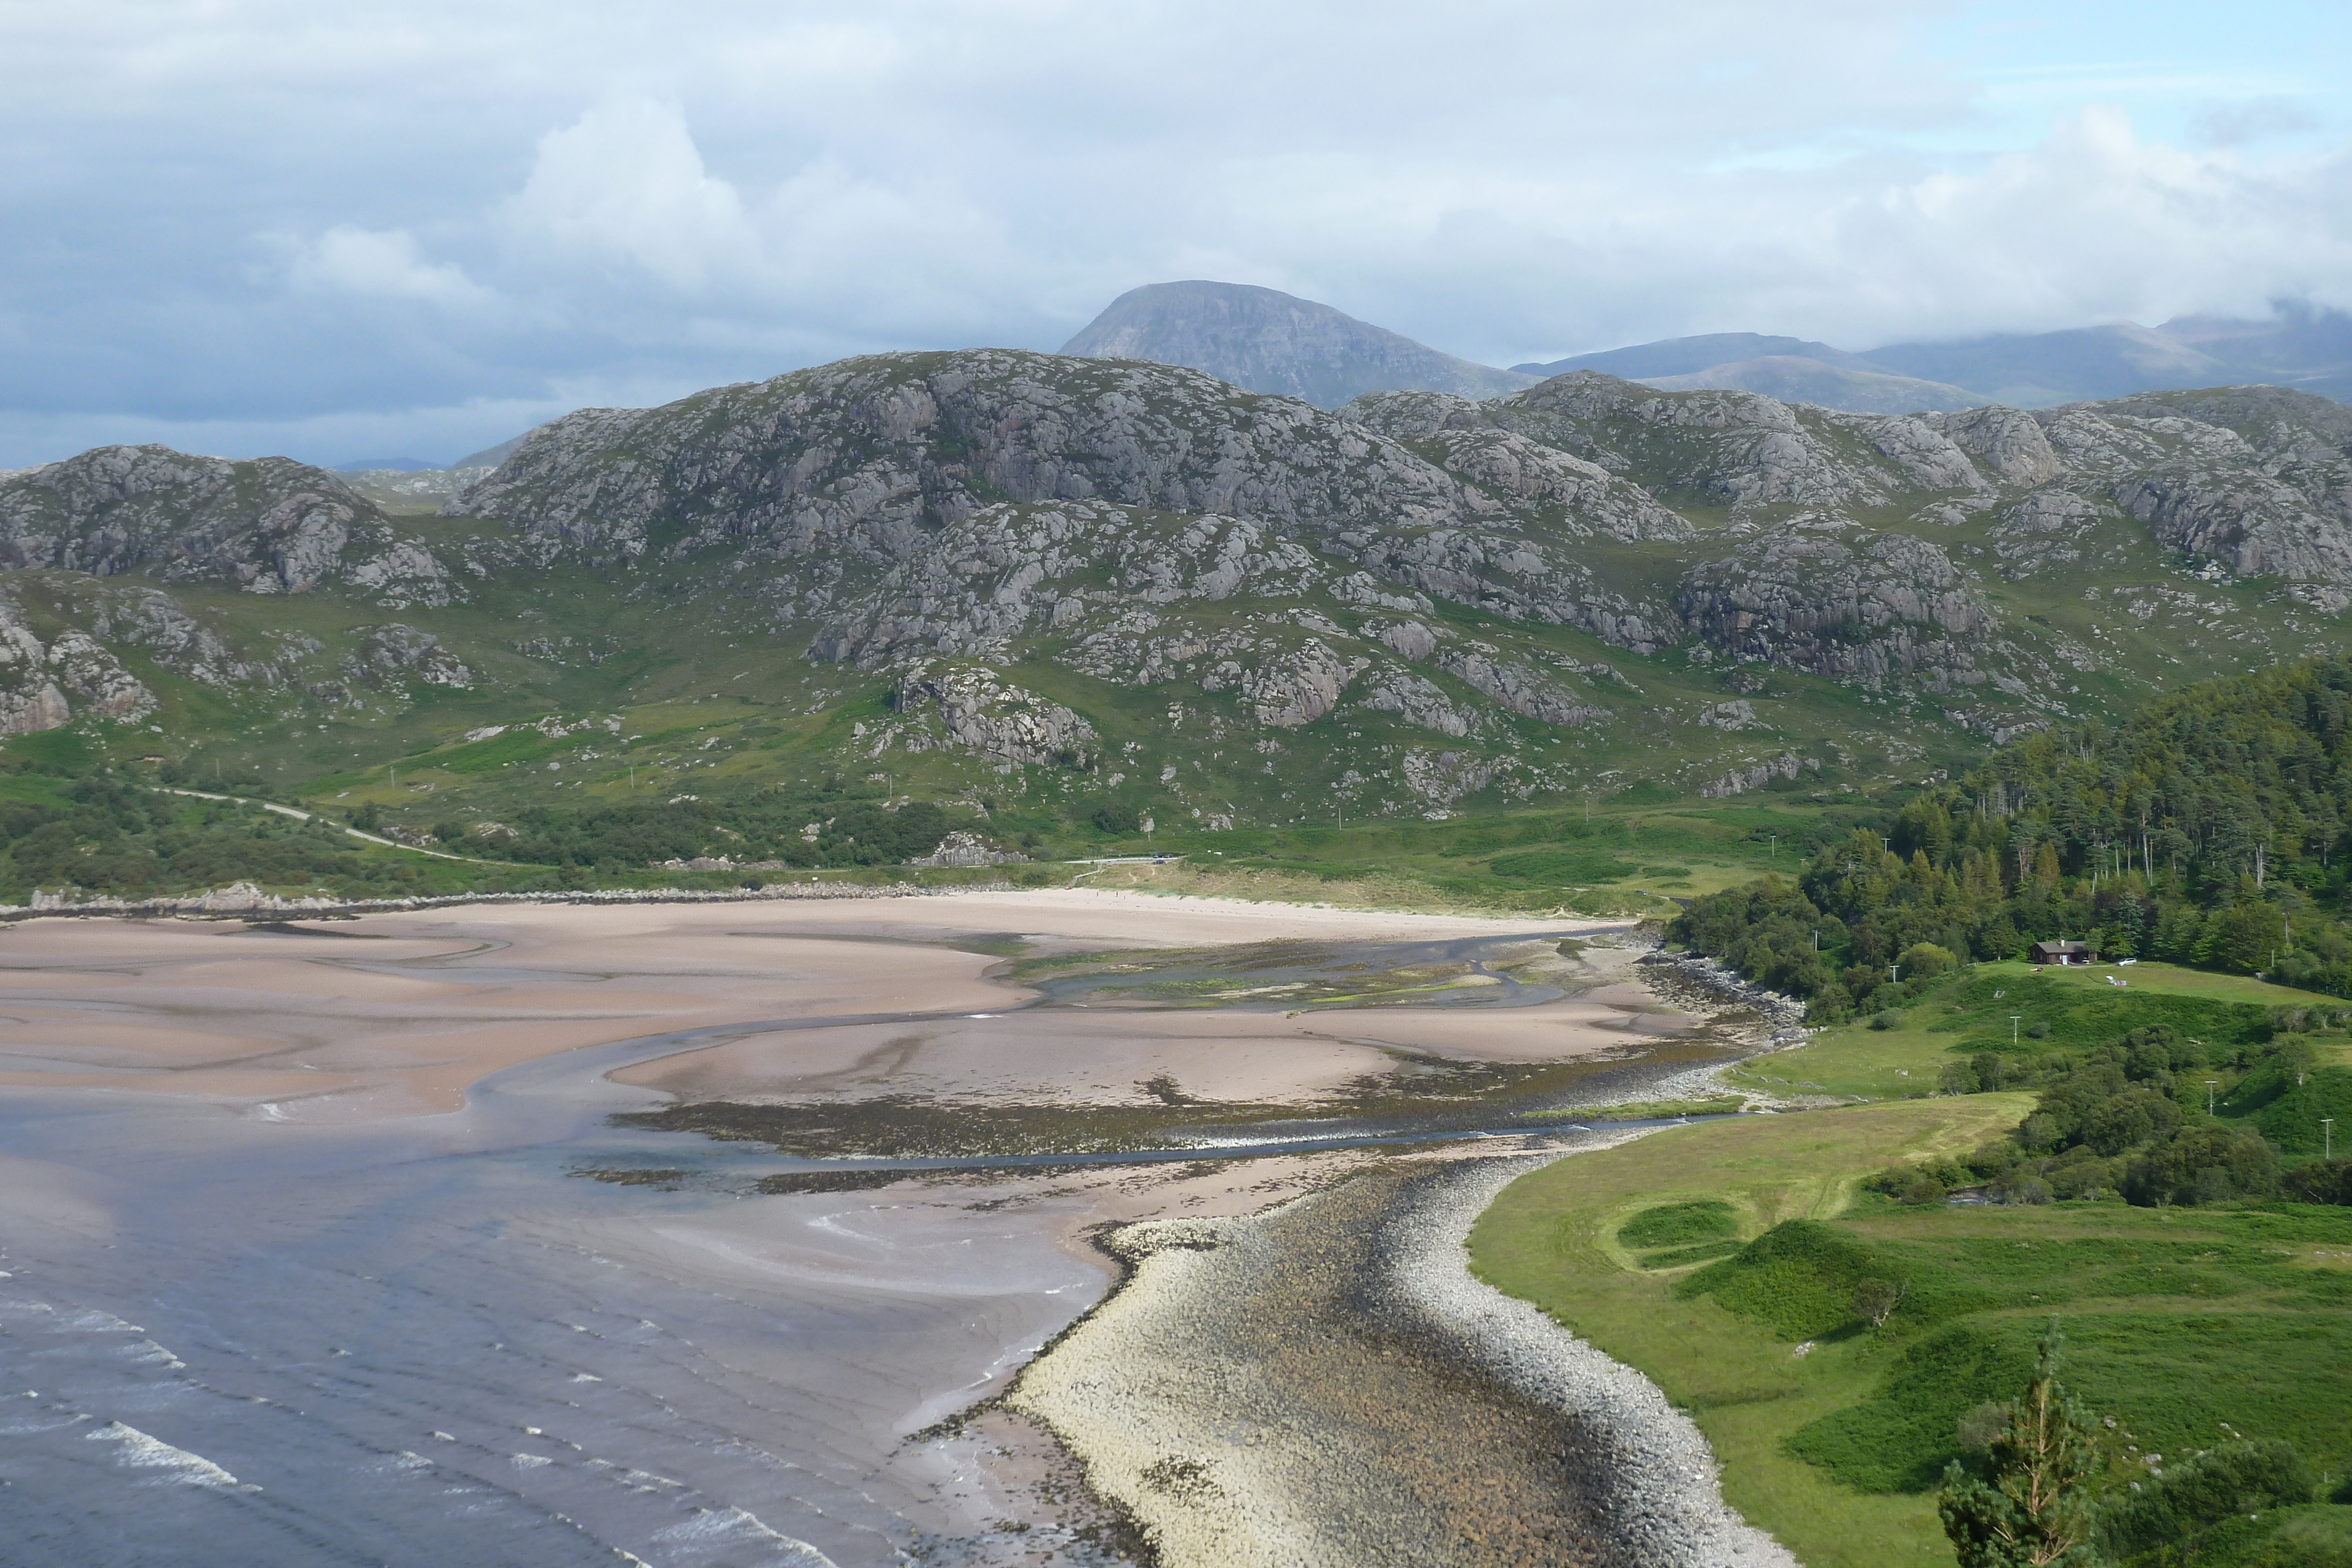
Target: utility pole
<point x="1817" y="939"/>
<point x="2211" y="1084"/>
<point x="2013" y="1027"/>
<point x="1891" y="975"/>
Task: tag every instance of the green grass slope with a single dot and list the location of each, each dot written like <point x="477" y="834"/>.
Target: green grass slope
<point x="2186" y="1326"/>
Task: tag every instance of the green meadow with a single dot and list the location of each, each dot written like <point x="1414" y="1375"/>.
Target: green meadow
<point x="1722" y="1259"/>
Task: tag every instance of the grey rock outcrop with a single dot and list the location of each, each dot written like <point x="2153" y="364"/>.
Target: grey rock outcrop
<point x="866" y="456"/>
<point x="1442" y="778"/>
<point x="863" y="463"/>
<point x="395" y="654"/>
<point x="1416" y="700"/>
<point x="1856" y="604"/>
<point x="971" y="708"/>
<point x="1739" y="780"/>
<point x="268" y="526"/>
<point x="968" y="849"/>
<point x="2008" y="441"/>
<point x="1517" y="687"/>
<point x="46" y="685"/>
<point x="1292" y="687"/>
<point x="993" y="534"/>
<point x="1724" y="448"/>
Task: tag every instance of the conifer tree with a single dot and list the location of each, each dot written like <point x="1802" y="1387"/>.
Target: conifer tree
<point x="2034" y="1507"/>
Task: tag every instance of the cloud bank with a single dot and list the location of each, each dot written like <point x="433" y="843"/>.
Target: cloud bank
<point x="256" y="225"/>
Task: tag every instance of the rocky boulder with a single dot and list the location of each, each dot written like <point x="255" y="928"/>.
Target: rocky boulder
<point x="971" y="708"/>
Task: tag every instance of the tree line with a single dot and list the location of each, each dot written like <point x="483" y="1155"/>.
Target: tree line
<point x="2212" y="830"/>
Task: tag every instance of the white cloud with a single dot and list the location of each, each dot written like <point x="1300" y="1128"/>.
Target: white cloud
<point x="385" y="265"/>
<point x="625" y="183"/>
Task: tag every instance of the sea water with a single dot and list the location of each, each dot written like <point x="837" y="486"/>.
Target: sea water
<point x="230" y="1340"/>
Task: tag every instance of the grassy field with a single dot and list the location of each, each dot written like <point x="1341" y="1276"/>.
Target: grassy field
<point x="1832" y="1435"/>
<point x="1973" y="1011"/>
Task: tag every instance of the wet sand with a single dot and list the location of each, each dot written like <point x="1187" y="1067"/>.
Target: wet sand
<point x="392" y="1015"/>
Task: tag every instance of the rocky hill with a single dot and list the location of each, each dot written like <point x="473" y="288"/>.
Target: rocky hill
<point x="1076" y="581"/>
<point x="1268" y="341"/>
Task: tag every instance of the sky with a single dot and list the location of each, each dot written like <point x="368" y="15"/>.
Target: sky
<point x="417" y="227"/>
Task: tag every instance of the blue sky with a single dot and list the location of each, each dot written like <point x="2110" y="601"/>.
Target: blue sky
<point x="263" y="225"/>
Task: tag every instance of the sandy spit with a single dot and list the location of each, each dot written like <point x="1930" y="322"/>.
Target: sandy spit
<point x="1325" y="1386"/>
<point x="1649" y="1467"/>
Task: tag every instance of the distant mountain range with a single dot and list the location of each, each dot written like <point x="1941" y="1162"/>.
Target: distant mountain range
<point x="1264" y="340"/>
<point x="1267" y="341"/>
<point x="2308" y="349"/>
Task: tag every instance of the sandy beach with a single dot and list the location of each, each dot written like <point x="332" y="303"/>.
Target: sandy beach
<point x="395" y="1014"/>
<point x="377" y="1116"/>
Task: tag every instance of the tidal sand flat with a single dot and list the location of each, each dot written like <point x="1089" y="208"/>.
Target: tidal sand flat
<point x="299" y="1266"/>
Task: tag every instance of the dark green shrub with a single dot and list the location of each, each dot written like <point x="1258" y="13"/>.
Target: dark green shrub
<point x="1798" y="1279"/>
<point x="2204" y="1164"/>
<point x="2194" y="1494"/>
<point x="2322" y="1181"/>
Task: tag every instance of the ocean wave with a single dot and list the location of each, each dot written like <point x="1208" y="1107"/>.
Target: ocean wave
<point x="732" y="1525"/>
<point x="144" y="1452"/>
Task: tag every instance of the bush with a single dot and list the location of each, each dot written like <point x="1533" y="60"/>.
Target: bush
<point x="1923" y="960"/>
<point x="1941" y="1398"/>
<point x="2194" y="1495"/>
<point x="2322" y="1181"/>
<point x="1921" y="1191"/>
<point x="1890" y="1019"/>
<point x="1116" y="819"/>
<point x="1798" y="1277"/>
<point x="2205" y="1164"/>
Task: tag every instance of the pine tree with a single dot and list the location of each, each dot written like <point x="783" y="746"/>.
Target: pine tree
<point x="2034" y="1509"/>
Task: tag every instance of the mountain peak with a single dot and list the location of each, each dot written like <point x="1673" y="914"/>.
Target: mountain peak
<point x="1265" y="341"/>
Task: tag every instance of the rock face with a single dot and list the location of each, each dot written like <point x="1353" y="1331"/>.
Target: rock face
<point x="966" y="849"/>
<point x="1837" y="605"/>
<point x="44" y="686"/>
<point x="270" y="525"/>
<point x="1273" y="343"/>
<point x="1146" y="525"/>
